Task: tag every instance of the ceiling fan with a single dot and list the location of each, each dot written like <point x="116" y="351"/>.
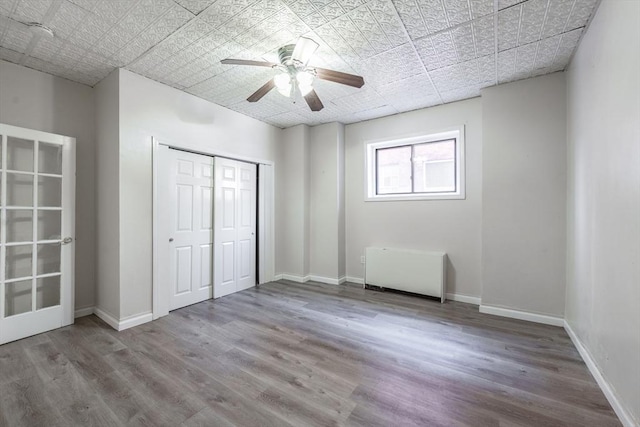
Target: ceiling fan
<point x="295" y="75"/>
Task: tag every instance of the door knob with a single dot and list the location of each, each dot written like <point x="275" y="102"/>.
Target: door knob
<point x="66" y="240"/>
<point x="171" y="239"/>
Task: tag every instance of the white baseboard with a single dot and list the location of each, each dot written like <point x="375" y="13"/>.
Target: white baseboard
<point x="311" y="277"/>
<point x="131" y="321"/>
<point x="625" y="417"/>
<point x="292" y="277"/>
<point x="464" y="298"/>
<point x="126" y="323"/>
<point x="522" y="315"/>
<point x="81" y="312"/>
<point x="356" y="280"/>
<point x="327" y="280"/>
<point x="108" y="318"/>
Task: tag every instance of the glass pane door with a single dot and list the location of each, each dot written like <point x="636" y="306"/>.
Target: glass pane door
<point x="32" y="251"/>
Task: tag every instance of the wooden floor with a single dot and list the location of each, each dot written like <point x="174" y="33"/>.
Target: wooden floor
<point x="287" y="354"/>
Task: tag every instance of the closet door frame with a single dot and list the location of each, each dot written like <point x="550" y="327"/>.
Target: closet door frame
<point x="265" y="262"/>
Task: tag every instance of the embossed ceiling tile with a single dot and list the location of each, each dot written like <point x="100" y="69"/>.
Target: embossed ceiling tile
<point x="66" y="19"/>
<point x="567" y="46"/>
<point x="461" y="94"/>
<point x="10" y="55"/>
<point x="557" y="17"/>
<point x="86" y="4"/>
<point x="503" y="4"/>
<point x="486" y="71"/>
<point x="434" y="15"/>
<point x="16" y="37"/>
<point x="581" y="13"/>
<point x="222" y="11"/>
<point x="526" y="57"/>
<point x="320" y="3"/>
<point x="457" y="11"/>
<point x="331" y="11"/>
<point x="533" y="15"/>
<point x="301" y="8"/>
<point x="508" y="25"/>
<point x="506" y="65"/>
<point x="285" y="120"/>
<point x="547" y="49"/>
<point x="463" y="40"/>
<point x="195" y="6"/>
<point x="445" y="48"/>
<point x="113" y="12"/>
<point x="348" y="5"/>
<point x="376" y="112"/>
<point x="314" y="20"/>
<point x="481" y="8"/>
<point x="484" y="36"/>
<point x="31" y="11"/>
<point x="411" y="18"/>
<point x="388" y="19"/>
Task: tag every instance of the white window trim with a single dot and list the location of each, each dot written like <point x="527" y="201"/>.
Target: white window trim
<point x="371" y="146"/>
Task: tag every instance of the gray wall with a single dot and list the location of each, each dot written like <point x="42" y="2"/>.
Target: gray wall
<point x="452" y="226"/>
<point x="39" y="101"/>
<point x="108" y="195"/>
<point x="524" y="195"/>
<point x="603" y="272"/>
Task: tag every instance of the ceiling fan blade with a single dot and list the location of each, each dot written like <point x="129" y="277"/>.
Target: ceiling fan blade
<point x="339" y="77"/>
<point x="257" y="95"/>
<point x="304" y="50"/>
<point x="313" y="101"/>
<point x="231" y="61"/>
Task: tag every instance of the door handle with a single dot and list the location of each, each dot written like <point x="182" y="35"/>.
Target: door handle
<point x="171" y="239"/>
<point x="66" y="240"/>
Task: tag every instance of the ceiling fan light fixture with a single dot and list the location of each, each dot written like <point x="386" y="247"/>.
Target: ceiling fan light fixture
<point x="305" y="82"/>
<point x="283" y="83"/>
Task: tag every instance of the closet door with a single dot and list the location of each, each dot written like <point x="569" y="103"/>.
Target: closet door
<point x="234" y="226"/>
<point x="37" y="205"/>
<point x="190" y="195"/>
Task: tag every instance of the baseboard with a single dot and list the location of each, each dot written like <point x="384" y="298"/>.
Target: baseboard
<point x="106" y="317"/>
<point x="292" y="277"/>
<point x="327" y="280"/>
<point x="625" y="417"/>
<point x="356" y="280"/>
<point x="81" y="312"/>
<point x="522" y="315"/>
<point x="126" y="323"/>
<point x="464" y="298"/>
<point x="131" y="321"/>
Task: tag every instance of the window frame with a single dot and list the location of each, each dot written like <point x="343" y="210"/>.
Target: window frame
<point x="371" y="166"/>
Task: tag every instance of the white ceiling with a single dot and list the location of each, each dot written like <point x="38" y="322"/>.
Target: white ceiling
<point x="411" y="53"/>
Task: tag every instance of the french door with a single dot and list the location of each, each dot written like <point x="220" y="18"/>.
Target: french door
<point x="37" y="204"/>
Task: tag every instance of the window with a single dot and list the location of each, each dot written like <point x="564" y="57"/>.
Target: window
<point x="417" y="168"/>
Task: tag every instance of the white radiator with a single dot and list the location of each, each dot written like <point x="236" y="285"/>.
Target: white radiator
<point x="406" y="270"/>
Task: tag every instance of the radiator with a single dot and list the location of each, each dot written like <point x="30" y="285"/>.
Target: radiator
<point x="406" y="270"/>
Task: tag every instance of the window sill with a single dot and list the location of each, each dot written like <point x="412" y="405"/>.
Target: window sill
<point x="407" y="197"/>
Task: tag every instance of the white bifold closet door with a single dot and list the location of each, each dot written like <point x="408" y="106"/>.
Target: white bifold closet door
<point x="191" y="228"/>
<point x="234" y="226"/>
<point x="37" y="227"/>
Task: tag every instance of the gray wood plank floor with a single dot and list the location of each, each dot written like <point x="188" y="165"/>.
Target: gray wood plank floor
<point x="288" y="354"/>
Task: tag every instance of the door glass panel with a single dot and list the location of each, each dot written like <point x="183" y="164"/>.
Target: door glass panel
<point x="49" y="192"/>
<point x="17" y="297"/>
<point x="47" y="292"/>
<point x="19" y="154"/>
<point x="18" y="261"/>
<point x="19" y="225"/>
<point x="48" y="258"/>
<point x="19" y="189"/>
<point x="49" y="225"/>
<point x="49" y="158"/>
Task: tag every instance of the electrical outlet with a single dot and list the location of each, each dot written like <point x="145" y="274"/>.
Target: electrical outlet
<point x="362" y="259"/>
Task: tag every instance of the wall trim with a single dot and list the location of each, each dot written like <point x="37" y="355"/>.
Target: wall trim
<point x="522" y="315"/>
<point x="464" y="298"/>
<point x="356" y="280"/>
<point x="135" y="320"/>
<point x="293" y="277"/>
<point x="82" y="312"/>
<point x="126" y="323"/>
<point x="311" y="277"/>
<point x="322" y="279"/>
<point x="625" y="416"/>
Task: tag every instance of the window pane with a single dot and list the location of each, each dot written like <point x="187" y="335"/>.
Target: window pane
<point x="17" y="297"/>
<point x="49" y="225"/>
<point x="47" y="292"/>
<point x="49" y="192"/>
<point x="19" y="225"/>
<point x="48" y="259"/>
<point x="50" y="158"/>
<point x="19" y="189"/>
<point x="19" y="154"/>
<point x="434" y="167"/>
<point x="18" y="261"/>
<point x="393" y="170"/>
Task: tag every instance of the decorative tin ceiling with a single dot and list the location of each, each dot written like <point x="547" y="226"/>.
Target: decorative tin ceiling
<point x="411" y="53"/>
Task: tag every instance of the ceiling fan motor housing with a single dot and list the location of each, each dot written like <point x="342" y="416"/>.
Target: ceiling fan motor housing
<point x="285" y="53"/>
